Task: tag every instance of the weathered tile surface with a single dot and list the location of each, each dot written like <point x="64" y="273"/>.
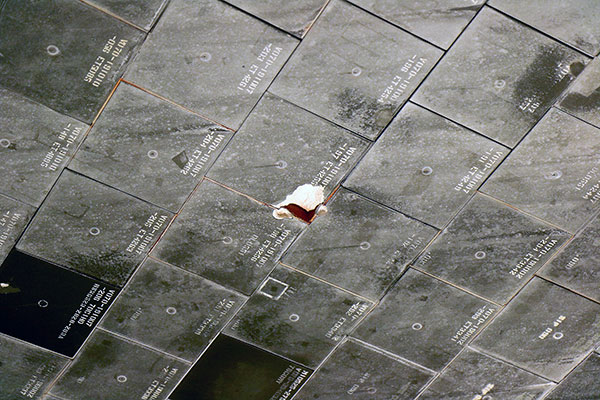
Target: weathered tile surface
<point x="582" y="99"/>
<point x="140" y="13"/>
<point x="582" y="383"/>
<point x="14" y="216"/>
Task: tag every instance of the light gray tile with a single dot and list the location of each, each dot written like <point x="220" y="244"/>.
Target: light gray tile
<point x="582" y="99"/>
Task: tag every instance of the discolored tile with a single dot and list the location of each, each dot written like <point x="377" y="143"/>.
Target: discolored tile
<point x="172" y="310"/>
<point x="583" y="383"/>
<point x="524" y="73"/>
<point x="141" y="14"/>
<point x="229" y="57"/>
<point x="491" y="249"/>
<point x="574" y="22"/>
<point x="280" y="147"/>
<point x="424" y="320"/>
<point x="231" y="370"/>
<point x="64" y="54"/>
<point x="355" y="69"/>
<point x="374" y="244"/>
<point x="226" y="238"/>
<point x="546" y="329"/>
<point x="110" y="368"/>
<point x="149" y="148"/>
<point x="26" y="371"/>
<point x="102" y="232"/>
<point x="582" y="99"/>
<point x="295" y="16"/>
<point x="554" y="173"/>
<point x="437" y="21"/>
<point x="35" y="145"/>
<point x="425" y="166"/>
<point x="475" y="376"/>
<point x="48" y="305"/>
<point x="297" y="316"/>
<point x="354" y="371"/>
<point x="14" y="216"/>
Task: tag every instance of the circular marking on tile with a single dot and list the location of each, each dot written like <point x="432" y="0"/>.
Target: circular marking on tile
<point x="553" y="175"/>
<point x="53" y="50"/>
<point x="4" y="142"/>
<point x="281" y="164"/>
<point x="365" y="246"/>
<point x="43" y="303"/>
<point x="499" y="84"/>
<point x="121" y="379"/>
<point x="171" y="310"/>
<point x="294" y="317"/>
<point x="94" y="231"/>
<point x="558" y="335"/>
<point x="480" y="255"/>
<point x="356" y="71"/>
<point x="227" y="240"/>
<point x="372" y="390"/>
<point x="205" y="57"/>
<point x="427" y="171"/>
<point x="153" y="154"/>
<point x="417" y="326"/>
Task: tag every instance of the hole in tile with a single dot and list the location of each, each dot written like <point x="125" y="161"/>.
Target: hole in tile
<point x="558" y="335"/>
<point x="171" y="310"/>
<point x="372" y="390"/>
<point x="480" y="255"/>
<point x="227" y="240"/>
<point x="4" y="143"/>
<point x="153" y="154"/>
<point x="499" y="84"/>
<point x="294" y="317"/>
<point x="356" y="71"/>
<point x="281" y="164"/>
<point x="553" y="175"/>
<point x="205" y="57"/>
<point x="365" y="246"/>
<point x="53" y="50"/>
<point x="427" y="171"/>
<point x="417" y="326"/>
<point x="43" y="303"/>
<point x="121" y="379"/>
<point x="94" y="231"/>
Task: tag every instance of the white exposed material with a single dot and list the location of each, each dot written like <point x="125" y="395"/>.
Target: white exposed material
<point x="307" y="196"/>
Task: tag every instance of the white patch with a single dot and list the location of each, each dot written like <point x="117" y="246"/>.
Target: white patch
<point x="307" y="196"/>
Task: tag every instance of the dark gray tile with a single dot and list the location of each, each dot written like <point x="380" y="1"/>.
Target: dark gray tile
<point x="211" y="58"/>
<point x="94" y="229"/>
<point x="474" y="376"/>
<point x="297" y="316"/>
<point x="110" y="368"/>
<point x="280" y="147"/>
<point x="374" y="244"/>
<point x="554" y="173"/>
<point x="14" y="217"/>
<point x="140" y="13"/>
<point x="150" y="148"/>
<point x="354" y="371"/>
<point x="172" y="310"/>
<point x="226" y="238"/>
<point x="582" y="99"/>
<point x="425" y="166"/>
<point x="35" y="145"/>
<point x="582" y="384"/>
<point x="293" y="16"/>
<point x="574" y="22"/>
<point x="575" y="267"/>
<point x="491" y="249"/>
<point x="26" y="371"/>
<point x="524" y="73"/>
<point x="355" y="69"/>
<point x="64" y="54"/>
<point x="546" y="329"/>
<point x="425" y="320"/>
<point x="438" y="21"/>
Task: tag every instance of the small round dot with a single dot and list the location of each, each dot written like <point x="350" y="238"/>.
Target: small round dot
<point x="427" y="171"/>
<point x="153" y="154"/>
<point x="372" y="390"/>
<point x="171" y="310"/>
<point x="53" y="50"/>
<point x="499" y="84"/>
<point x="365" y="246"/>
<point x="356" y="71"/>
<point x="4" y="142"/>
<point x="121" y="379"/>
<point x="43" y="303"/>
<point x="558" y="335"/>
<point x="417" y="326"/>
<point x="227" y="240"/>
<point x="553" y="175"/>
<point x="94" y="231"/>
<point x="294" y="317"/>
<point x="480" y="255"/>
<point x="351" y="196"/>
<point x="205" y="57"/>
<point x="281" y="164"/>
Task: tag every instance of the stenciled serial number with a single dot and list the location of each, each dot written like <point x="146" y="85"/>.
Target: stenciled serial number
<point x="104" y="63"/>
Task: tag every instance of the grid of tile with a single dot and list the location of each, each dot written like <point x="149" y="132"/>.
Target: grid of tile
<point x="145" y="144"/>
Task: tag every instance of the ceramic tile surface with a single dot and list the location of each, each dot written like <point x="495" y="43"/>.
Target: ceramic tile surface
<point x="582" y="383"/>
<point x="14" y="217"/>
<point x="582" y="99"/>
<point x="141" y="14"/>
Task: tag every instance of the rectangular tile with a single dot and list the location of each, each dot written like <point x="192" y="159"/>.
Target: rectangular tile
<point x="14" y="217"/>
<point x="150" y="148"/>
<point x="425" y="166"/>
<point x="231" y="370"/>
<point x="374" y="244"/>
<point x="582" y="383"/>
<point x="102" y="232"/>
<point x="211" y="58"/>
<point x="554" y="174"/>
<point x="280" y="147"/>
<point x="491" y="249"/>
<point x="141" y="14"/>
<point x="172" y="310"/>
<point x="546" y="329"/>
<point x="74" y="67"/>
<point x="582" y="99"/>
<point x="110" y="368"/>
<point x="297" y="316"/>
<point x="424" y="320"/>
<point x="524" y="73"/>
<point x="35" y="145"/>
<point x="48" y="305"/>
<point x="355" y="69"/>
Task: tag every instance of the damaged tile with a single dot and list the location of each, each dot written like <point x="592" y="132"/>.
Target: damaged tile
<point x="110" y="368"/>
<point x="26" y="371"/>
<point x="48" y="305"/>
<point x="94" y="229"/>
<point x="582" y="99"/>
<point x="373" y="243"/>
<point x="425" y="166"/>
<point x="64" y="54"/>
<point x="295" y="17"/>
<point x="280" y="147"/>
<point x="355" y="69"/>
<point x="222" y="63"/>
<point x="582" y="383"/>
<point x="297" y="316"/>
<point x="475" y="376"/>
<point x="554" y="173"/>
<point x="172" y="310"/>
<point x="14" y="217"/>
<point x="358" y="372"/>
<point x="226" y="238"/>
<point x="524" y="73"/>
<point x="491" y="249"/>
<point x="437" y="21"/>
<point x="231" y="370"/>
<point x="574" y="21"/>
<point x="141" y="14"/>
<point x="150" y="148"/>
<point x="35" y="145"/>
<point x="546" y="329"/>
